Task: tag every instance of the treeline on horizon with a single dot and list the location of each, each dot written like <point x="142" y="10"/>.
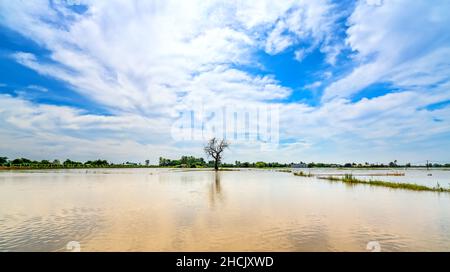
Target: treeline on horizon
<point x="27" y="163"/>
<point x="193" y="162"/>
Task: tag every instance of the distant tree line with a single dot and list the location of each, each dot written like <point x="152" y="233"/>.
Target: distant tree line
<point x="392" y="164"/>
<point x="47" y="164"/>
<point x="260" y="164"/>
<point x="184" y="161"/>
<point x="193" y="162"/>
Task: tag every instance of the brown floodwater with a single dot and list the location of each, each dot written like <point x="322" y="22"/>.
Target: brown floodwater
<point x="248" y="210"/>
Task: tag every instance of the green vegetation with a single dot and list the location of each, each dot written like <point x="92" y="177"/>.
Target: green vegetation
<point x="350" y="179"/>
<point x="366" y="165"/>
<point x="184" y="162"/>
<point x="193" y="162"/>
<point x="260" y="164"/>
<point x="24" y="163"/>
<point x="3" y="160"/>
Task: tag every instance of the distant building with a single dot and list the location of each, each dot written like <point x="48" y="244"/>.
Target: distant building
<point x="299" y="165"/>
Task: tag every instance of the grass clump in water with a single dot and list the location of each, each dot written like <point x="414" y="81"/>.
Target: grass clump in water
<point x="350" y="179"/>
<point x="303" y="174"/>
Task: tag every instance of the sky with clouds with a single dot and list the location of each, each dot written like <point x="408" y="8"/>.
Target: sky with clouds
<point x="354" y="81"/>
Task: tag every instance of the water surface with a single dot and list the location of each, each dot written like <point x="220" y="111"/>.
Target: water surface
<point x="248" y="210"/>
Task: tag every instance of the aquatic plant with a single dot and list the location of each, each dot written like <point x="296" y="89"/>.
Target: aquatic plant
<point x="302" y="174"/>
<point x="349" y="178"/>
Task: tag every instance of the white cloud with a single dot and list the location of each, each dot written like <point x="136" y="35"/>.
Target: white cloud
<point x="153" y="59"/>
<point x="137" y="61"/>
<point x="310" y="24"/>
<point x="396" y="41"/>
<point x="43" y="131"/>
<point x="37" y="88"/>
<point x="142" y="59"/>
<point x="392" y="123"/>
<point x="277" y="40"/>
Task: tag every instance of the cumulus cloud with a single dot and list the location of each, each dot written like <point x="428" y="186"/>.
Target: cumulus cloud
<point x="138" y="61"/>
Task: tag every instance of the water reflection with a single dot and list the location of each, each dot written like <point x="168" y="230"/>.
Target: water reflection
<point x="215" y="191"/>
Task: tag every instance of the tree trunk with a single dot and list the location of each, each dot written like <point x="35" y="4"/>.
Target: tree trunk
<point x="216" y="165"/>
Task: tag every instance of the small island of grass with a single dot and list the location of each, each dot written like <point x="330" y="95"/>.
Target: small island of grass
<point x="350" y="179"/>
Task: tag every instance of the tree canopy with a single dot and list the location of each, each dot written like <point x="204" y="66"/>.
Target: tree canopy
<point x="214" y="149"/>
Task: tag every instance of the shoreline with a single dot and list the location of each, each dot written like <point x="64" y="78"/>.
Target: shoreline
<point x="280" y="169"/>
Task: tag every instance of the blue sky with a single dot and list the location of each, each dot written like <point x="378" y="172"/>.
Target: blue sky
<point x="354" y="81"/>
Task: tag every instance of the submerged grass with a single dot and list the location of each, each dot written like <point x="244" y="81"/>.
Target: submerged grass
<point x="303" y="174"/>
<point x="350" y="179"/>
<point x="228" y="169"/>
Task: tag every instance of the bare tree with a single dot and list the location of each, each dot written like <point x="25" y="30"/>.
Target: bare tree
<point x="214" y="149"/>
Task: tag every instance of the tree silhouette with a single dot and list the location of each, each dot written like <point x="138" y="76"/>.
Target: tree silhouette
<point x="3" y="160"/>
<point x="214" y="149"/>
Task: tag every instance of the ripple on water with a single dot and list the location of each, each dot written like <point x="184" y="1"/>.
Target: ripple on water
<point x="49" y="233"/>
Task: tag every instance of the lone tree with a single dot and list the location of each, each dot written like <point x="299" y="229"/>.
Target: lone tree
<point x="214" y="149"/>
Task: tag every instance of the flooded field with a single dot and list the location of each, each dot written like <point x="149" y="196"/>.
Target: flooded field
<point x="247" y="210"/>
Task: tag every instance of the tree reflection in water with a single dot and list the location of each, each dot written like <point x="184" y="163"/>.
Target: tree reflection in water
<point x="215" y="191"/>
